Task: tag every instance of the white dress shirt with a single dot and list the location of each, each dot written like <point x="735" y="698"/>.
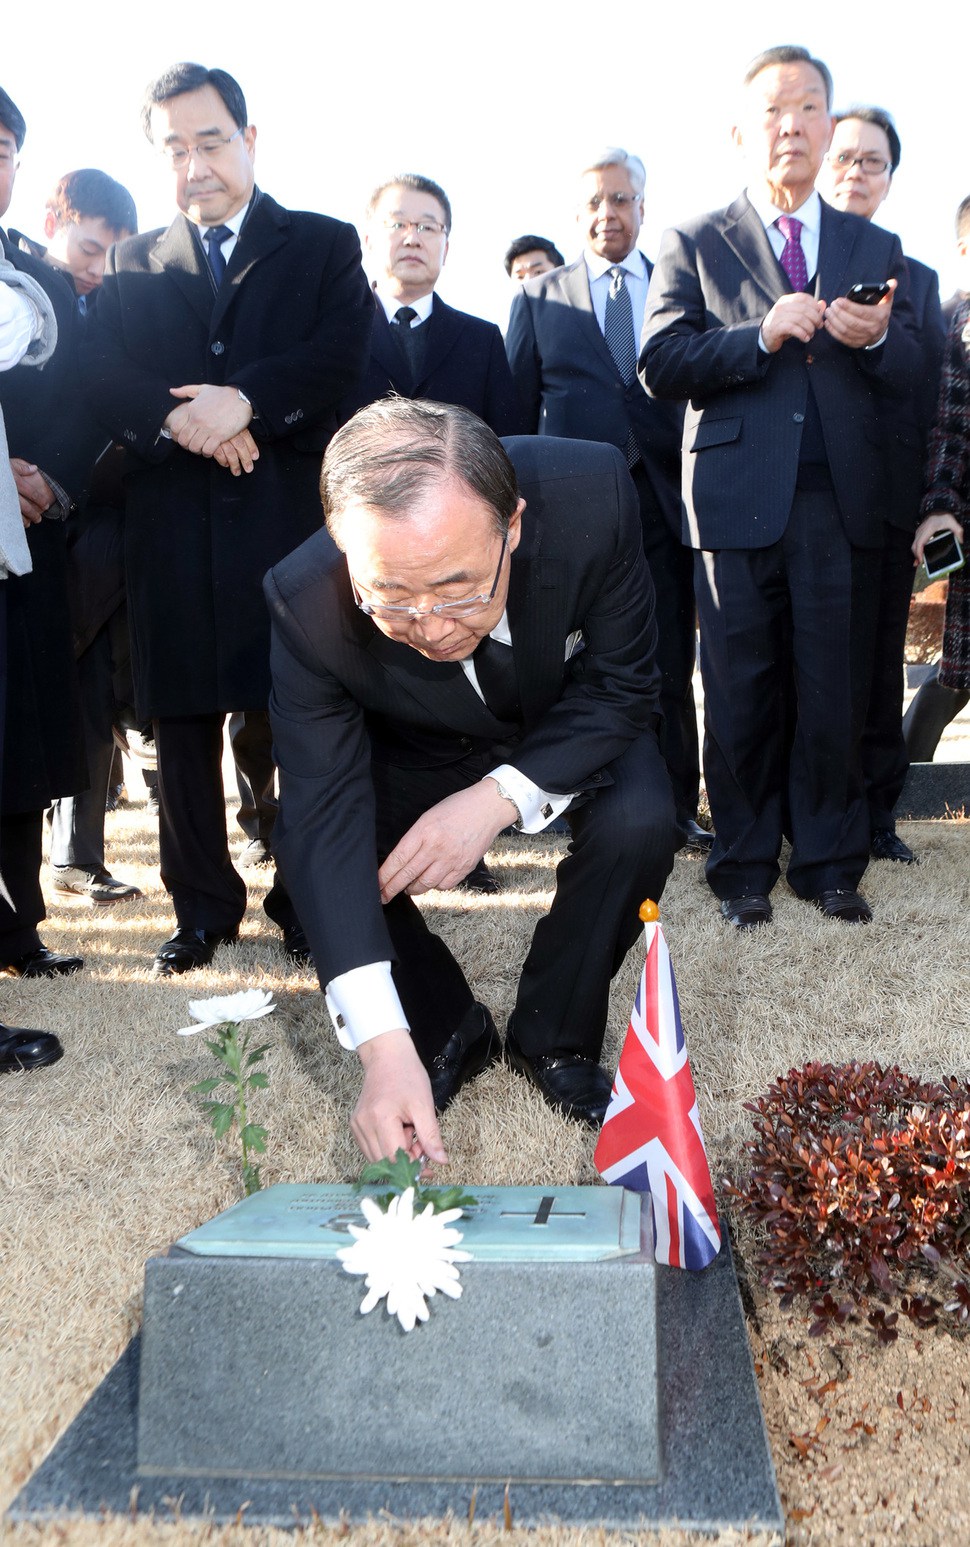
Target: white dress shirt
<point x="636" y="280"/>
<point x="234" y="222"/>
<point x="393" y="303"/>
<point x="810" y="215"/>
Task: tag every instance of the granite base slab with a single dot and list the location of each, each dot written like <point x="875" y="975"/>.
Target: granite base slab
<point x="934" y="790"/>
<point x="716" y="1467"/>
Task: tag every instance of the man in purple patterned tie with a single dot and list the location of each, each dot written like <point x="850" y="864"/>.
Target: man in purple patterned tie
<point x="749" y="317"/>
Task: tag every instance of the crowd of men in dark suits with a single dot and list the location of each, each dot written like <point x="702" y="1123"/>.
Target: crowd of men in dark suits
<point x="733" y="435"/>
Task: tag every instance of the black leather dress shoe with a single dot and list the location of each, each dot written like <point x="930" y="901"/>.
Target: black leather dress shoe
<point x="188" y="949"/>
<point x="22" y="1049"/>
<point x="43" y="963"/>
<point x="847" y="907"/>
<point x="747" y="912"/>
<point x="693" y="838"/>
<point x="481" y="880"/>
<point x="475" y="1046"/>
<point x="574" y="1085"/>
<point x="885" y="844"/>
<point x="296" y="946"/>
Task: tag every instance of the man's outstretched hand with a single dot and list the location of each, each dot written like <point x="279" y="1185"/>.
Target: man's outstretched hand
<point x="446" y="842"/>
<point x="396" y="1109"/>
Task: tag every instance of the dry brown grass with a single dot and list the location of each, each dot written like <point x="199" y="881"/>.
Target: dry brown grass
<point x="105" y="1158"/>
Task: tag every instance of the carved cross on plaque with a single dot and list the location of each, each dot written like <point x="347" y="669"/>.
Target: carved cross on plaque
<point x="543" y="1211"/>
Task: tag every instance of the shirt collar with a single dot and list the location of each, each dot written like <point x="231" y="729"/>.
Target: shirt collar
<point x="392" y="304"/>
<point x="597" y="266"/>
<point x="234" y="222"/>
<point x="809" y="213"/>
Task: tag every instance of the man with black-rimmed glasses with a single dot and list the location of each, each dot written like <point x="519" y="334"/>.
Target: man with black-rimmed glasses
<point x="470" y="645"/>
<point x="217" y="353"/>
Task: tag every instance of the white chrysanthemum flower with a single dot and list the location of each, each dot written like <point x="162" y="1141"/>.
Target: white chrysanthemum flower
<point x="250" y="1004"/>
<point x="406" y="1257"/>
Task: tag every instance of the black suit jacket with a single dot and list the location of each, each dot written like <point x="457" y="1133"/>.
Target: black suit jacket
<point x="43" y="749"/>
<point x="464" y="364"/>
<point x="340" y="686"/>
<point x="715" y="281"/>
<point x="290" y="327"/>
<point x="569" y="385"/>
<point x="908" y="420"/>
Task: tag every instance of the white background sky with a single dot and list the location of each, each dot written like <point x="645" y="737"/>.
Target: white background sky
<point x="499" y="103"/>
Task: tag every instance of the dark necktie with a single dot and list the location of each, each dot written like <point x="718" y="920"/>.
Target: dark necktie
<point x="621" y="342"/>
<point x="214" y="236"/>
<point x="792" y="256"/>
<point x="495" y="670"/>
<point x="403" y="318"/>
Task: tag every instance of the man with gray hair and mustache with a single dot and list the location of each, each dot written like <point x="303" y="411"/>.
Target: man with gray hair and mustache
<point x="572" y="338"/>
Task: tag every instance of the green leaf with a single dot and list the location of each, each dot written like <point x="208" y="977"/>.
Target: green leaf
<point x="251" y="1181"/>
<point x="255" y="1137"/>
<point x="258" y="1081"/>
<point x="218" y="1050"/>
<point x="401" y="1172"/>
<point x="205" y="1086"/>
<point x="222" y="1119"/>
<point x="443" y="1198"/>
<point x="259" y="1053"/>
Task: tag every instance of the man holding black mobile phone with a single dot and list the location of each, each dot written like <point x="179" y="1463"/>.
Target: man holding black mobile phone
<point x="748" y="317"/>
<point x="857" y="176"/>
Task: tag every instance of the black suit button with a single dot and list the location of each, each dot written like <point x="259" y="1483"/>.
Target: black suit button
<point x="465" y="743"/>
<point x="218" y="348"/>
<point x="799" y="418"/>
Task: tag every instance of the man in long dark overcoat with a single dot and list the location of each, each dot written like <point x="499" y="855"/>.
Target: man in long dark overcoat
<point x="217" y="351"/>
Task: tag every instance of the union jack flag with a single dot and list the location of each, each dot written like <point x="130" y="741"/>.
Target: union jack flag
<point x="651" y="1139"/>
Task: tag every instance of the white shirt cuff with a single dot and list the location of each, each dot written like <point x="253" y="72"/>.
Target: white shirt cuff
<point x="537" y="808"/>
<point x="364" y="1003"/>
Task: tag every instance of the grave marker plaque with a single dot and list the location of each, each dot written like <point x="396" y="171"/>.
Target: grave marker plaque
<point x="256" y="1360"/>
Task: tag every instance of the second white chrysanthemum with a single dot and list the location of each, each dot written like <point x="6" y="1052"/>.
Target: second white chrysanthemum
<point x="248" y="1005"/>
<point x="405" y="1257"/>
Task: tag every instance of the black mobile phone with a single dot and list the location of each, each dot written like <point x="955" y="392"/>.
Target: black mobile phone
<point x="942" y="555"/>
<point x="868" y="295"/>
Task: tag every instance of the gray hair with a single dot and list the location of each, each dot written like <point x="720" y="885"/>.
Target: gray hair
<point x="393" y="450"/>
<point x="616" y="156"/>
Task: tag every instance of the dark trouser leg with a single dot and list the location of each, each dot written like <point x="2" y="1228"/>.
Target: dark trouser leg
<point x="794" y="617"/>
<point x="742" y="604"/>
<point x="252" y="750"/>
<point x="672" y="572"/>
<point x="928" y="717"/>
<point x="21" y="900"/>
<point x="884" y="757"/>
<point x="20" y="858"/>
<point x="834" y="591"/>
<point x="622" y="851"/>
<point x="432" y="986"/>
<point x="194" y="852"/>
<point x="77" y="821"/>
